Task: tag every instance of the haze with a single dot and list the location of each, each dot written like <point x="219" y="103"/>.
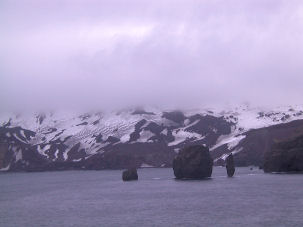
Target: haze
<point x="104" y="54"/>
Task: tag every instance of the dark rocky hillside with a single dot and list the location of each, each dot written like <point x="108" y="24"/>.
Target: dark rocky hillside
<point x="285" y="156"/>
<point x="257" y="142"/>
<point x="139" y="138"/>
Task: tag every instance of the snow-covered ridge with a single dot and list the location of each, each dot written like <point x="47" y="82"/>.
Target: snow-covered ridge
<point x="56" y="134"/>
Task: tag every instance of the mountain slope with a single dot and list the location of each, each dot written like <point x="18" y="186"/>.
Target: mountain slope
<point x="113" y="140"/>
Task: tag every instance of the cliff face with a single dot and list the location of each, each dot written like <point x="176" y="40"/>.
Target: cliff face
<point x="285" y="156"/>
<point x="257" y="142"/>
<point x="3" y="154"/>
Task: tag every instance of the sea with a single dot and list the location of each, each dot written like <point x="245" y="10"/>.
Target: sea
<point x="101" y="198"/>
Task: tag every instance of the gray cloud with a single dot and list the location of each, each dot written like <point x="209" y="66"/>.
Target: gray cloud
<point x="171" y="53"/>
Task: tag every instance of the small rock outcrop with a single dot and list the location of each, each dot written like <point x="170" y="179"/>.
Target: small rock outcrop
<point x="193" y="162"/>
<point x="285" y="157"/>
<point x="230" y="166"/>
<point x="130" y="174"/>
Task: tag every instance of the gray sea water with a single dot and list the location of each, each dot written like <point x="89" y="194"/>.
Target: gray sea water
<point x="101" y="198"/>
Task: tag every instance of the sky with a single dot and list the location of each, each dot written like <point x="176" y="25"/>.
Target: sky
<point x="117" y="53"/>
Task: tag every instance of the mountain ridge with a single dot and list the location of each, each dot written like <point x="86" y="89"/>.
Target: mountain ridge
<point x="134" y="137"/>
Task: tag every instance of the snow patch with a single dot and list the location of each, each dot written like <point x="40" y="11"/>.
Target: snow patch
<point x="65" y="155"/>
<point x="235" y="141"/>
<point x="18" y="138"/>
<point x="181" y="136"/>
<point x="22" y="133"/>
<point x="5" y="168"/>
<point x="56" y="154"/>
<point x="237" y="150"/>
<point x="125" y="138"/>
<point x="186" y="122"/>
<point x="18" y="155"/>
<point x="231" y="141"/>
<point x="145" y="135"/>
<point x="164" y="132"/>
<point x="144" y="165"/>
<point x="43" y="150"/>
<point x="192" y="124"/>
<point x="224" y="156"/>
<point x="177" y="150"/>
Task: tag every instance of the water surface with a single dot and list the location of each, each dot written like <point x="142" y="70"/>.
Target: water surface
<point x="101" y="198"/>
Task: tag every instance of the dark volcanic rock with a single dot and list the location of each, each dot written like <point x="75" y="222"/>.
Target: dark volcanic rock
<point x="140" y="112"/>
<point x="3" y="151"/>
<point x="285" y="156"/>
<point x="130" y="174"/>
<point x="209" y="126"/>
<point x="193" y="162"/>
<point x="220" y="162"/>
<point x="176" y="116"/>
<point x="230" y="166"/>
<point x="206" y="122"/>
<point x="257" y="142"/>
<point x="40" y="118"/>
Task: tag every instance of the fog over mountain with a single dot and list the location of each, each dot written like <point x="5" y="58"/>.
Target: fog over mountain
<point x="101" y="54"/>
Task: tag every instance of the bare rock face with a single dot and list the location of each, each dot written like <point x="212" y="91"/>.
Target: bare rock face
<point x="130" y="174"/>
<point x="193" y="162"/>
<point x="285" y="156"/>
<point x="230" y="166"/>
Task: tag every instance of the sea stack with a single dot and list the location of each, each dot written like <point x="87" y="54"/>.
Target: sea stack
<point x="230" y="166"/>
<point x="130" y="174"/>
<point x="193" y="162"/>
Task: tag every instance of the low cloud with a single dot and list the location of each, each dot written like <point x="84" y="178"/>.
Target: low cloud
<point x="105" y="54"/>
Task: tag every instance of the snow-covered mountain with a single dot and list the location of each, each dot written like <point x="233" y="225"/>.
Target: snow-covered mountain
<point x="137" y="137"/>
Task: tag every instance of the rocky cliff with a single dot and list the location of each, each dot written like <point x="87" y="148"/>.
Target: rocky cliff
<point x="286" y="156"/>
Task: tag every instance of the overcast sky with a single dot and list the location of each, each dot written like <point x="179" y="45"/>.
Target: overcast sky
<point x="117" y="53"/>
